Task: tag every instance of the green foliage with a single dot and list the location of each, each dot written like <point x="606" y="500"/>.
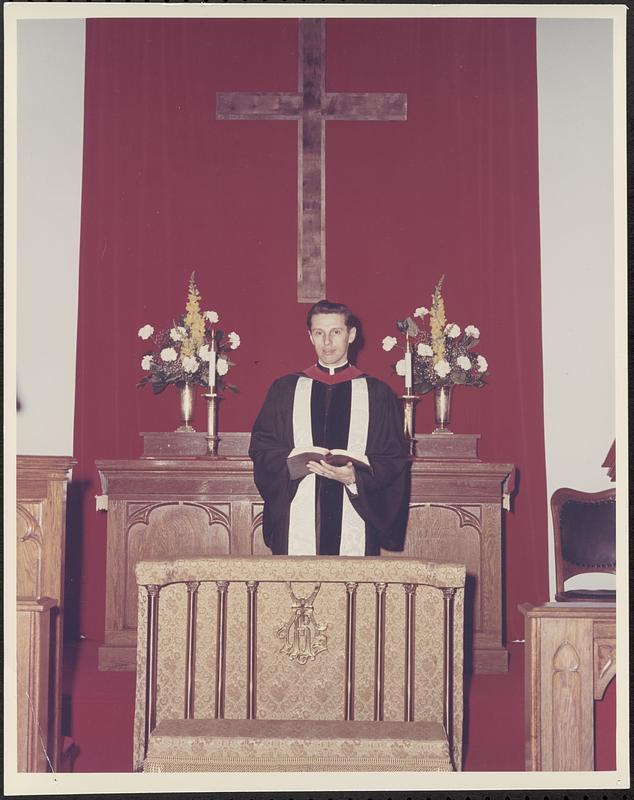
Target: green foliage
<point x="408" y="326"/>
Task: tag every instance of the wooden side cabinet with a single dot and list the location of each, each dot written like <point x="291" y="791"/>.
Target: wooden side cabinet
<point x="167" y="508"/>
<point x="570" y="659"/>
<point x="40" y="551"/>
<point x="456" y="514"/>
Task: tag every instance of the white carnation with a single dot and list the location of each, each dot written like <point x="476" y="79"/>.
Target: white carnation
<point x="178" y="334"/>
<point x="442" y="368"/>
<point x="463" y="362"/>
<point x="204" y="353"/>
<point x="400" y="367"/>
<point x="452" y="331"/>
<point x="424" y="350"/>
<point x="388" y="343"/>
<point x="222" y="366"/>
<point x="146" y="331"/>
<point x="190" y="364"/>
<point x="472" y="331"/>
<point x="482" y="364"/>
<point x="168" y="354"/>
<point x="234" y="340"/>
<point x="211" y="316"/>
<point x="146" y="362"/>
<point x="421" y="311"/>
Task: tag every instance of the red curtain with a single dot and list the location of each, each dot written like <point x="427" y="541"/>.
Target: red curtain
<point x="168" y="189"/>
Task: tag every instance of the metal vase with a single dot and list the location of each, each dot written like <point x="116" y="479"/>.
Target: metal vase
<point x="187" y="398"/>
<point x="442" y="408"/>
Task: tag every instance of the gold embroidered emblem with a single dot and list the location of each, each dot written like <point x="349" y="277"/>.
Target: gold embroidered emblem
<point x="303" y="636"/>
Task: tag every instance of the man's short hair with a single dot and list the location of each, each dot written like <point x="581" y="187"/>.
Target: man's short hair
<point x="326" y="307"/>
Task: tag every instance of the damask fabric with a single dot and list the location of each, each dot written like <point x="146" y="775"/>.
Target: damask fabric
<point x="381" y="502"/>
<point x="286" y="689"/>
<point x="299" y="568"/>
<point x="209" y="745"/>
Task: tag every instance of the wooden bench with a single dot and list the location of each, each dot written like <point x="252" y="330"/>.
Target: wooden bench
<point x="299" y="663"/>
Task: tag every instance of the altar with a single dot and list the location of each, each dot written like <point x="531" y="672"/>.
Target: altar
<point x="167" y="504"/>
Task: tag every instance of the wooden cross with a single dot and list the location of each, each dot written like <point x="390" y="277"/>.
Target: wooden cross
<point x="311" y="106"/>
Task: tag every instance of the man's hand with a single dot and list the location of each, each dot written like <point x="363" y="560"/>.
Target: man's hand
<point x="345" y="475"/>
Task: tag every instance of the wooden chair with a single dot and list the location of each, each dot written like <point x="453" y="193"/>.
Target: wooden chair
<point x="299" y="664"/>
<point x="585" y="540"/>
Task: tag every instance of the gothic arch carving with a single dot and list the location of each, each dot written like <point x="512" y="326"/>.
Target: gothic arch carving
<point x="141" y="512"/>
<point x="33" y="529"/>
<point x="566" y="703"/>
<point x="257" y="520"/>
<point x="466" y="518"/>
<point x="29" y="553"/>
<point x="258" y="547"/>
<point x="604" y="666"/>
<point x="566" y="658"/>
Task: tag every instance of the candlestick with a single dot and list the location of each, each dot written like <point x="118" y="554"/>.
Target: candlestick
<point x="212" y="422"/>
<point x="212" y="362"/>
<point x="408" y="366"/>
<point x="409" y="401"/>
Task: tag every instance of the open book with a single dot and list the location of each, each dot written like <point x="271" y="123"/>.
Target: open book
<point x="299" y="458"/>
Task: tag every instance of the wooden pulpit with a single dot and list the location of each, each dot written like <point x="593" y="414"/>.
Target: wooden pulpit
<point x="168" y="504"/>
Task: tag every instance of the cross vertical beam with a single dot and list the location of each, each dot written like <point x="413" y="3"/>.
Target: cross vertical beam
<point x="311" y="107"/>
<point x="311" y="162"/>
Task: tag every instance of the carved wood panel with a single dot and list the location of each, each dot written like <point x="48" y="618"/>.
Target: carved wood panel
<point x="566" y="703"/>
<point x="569" y="661"/>
<point x="604" y="664"/>
<point x="29" y="550"/>
<point x="567" y="694"/>
<point x="168" y="530"/>
<point x="451" y="534"/>
<point x="258" y="548"/>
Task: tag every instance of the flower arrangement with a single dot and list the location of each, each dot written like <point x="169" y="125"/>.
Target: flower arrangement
<point x="442" y="353"/>
<point x="192" y="351"/>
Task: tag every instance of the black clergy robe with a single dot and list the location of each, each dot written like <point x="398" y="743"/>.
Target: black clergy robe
<point x="319" y="516"/>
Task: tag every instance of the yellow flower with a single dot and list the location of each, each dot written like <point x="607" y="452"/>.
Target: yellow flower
<point x="438" y="322"/>
<point x="194" y="321"/>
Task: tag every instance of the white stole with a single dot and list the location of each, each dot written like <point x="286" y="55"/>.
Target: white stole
<point x="301" y="532"/>
<point x="301" y="527"/>
<point x="352" y="524"/>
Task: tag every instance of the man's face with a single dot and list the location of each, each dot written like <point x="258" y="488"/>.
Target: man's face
<point x="331" y="338"/>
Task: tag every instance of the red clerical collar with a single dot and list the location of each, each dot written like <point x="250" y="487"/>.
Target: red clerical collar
<point x="341" y="374"/>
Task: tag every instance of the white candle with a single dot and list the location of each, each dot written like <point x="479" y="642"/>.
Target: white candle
<point x="408" y="366"/>
<point x="212" y="363"/>
<point x="408" y="371"/>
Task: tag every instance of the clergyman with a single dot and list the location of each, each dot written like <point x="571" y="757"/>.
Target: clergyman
<point x="333" y="510"/>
